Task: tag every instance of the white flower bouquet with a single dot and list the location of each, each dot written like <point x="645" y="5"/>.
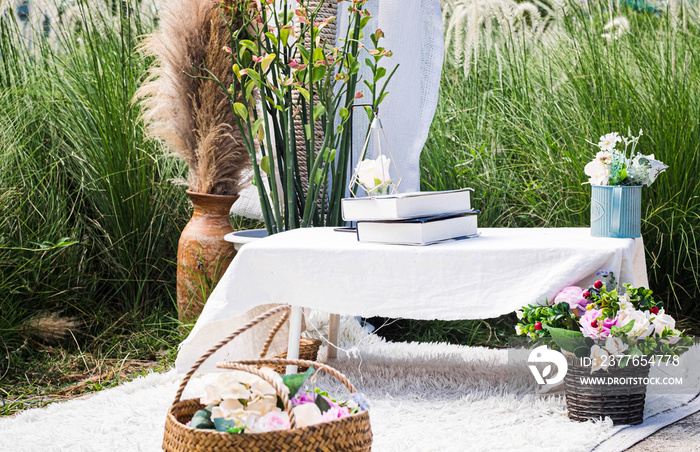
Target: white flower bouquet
<point x="611" y="166"/>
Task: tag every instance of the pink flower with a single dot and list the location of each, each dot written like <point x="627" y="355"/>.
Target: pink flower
<point x="257" y="59"/>
<point x="302" y="398"/>
<point x="574" y="296"/>
<point x="595" y="325"/>
<point x="275" y="420"/>
<point x="296" y="66"/>
<point x="335" y="412"/>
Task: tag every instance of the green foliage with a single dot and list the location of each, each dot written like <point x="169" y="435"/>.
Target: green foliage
<point x="91" y="217"/>
<point x="516" y="129"/>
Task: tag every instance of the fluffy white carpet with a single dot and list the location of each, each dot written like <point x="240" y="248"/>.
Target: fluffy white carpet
<point x="424" y="397"/>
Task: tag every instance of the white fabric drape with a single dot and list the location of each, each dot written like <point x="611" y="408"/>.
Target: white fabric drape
<point x="329" y="271"/>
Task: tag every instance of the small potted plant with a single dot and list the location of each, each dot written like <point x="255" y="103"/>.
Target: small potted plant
<point x="616" y="186"/>
<point x="611" y="331"/>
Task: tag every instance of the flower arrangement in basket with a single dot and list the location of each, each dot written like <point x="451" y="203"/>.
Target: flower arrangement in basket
<point x="243" y="403"/>
<point x="621" y="331"/>
<point x="255" y="409"/>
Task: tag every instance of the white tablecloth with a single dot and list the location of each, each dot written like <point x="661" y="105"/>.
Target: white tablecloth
<point x="482" y="277"/>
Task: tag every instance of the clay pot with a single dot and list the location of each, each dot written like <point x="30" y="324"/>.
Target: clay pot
<point x="202" y="253"/>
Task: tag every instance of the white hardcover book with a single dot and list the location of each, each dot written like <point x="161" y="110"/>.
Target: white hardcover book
<point x="419" y="231"/>
<point x="406" y="205"/>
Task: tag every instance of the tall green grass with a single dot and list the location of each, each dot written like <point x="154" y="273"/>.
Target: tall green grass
<point x="516" y="130"/>
<point x="91" y="217"/>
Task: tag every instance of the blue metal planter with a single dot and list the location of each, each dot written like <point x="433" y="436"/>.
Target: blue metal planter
<point x="616" y="211"/>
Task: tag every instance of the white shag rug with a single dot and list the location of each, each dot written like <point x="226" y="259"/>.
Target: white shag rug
<point x="424" y="397"/>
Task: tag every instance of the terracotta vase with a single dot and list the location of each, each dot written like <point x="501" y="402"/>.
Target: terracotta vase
<point x="202" y="253"/>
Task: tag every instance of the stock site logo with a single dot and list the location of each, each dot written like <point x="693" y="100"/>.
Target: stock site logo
<point x="541" y="355"/>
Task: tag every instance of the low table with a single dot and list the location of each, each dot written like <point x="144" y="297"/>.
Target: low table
<point x="330" y="271"/>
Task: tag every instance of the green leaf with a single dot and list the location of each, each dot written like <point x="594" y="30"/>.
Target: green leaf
<point x="627" y="328"/>
<point x="266" y="62"/>
<point x="344" y="113"/>
<point x="272" y="38"/>
<point x="223" y="425"/>
<point x="319" y="109"/>
<point x="307" y="131"/>
<point x="568" y="340"/>
<point x="318" y="73"/>
<point x="256" y="128"/>
<point x="369" y="63"/>
<point x="249" y="87"/>
<point x="284" y="35"/>
<point x="240" y="110"/>
<point x="381" y="72"/>
<point x="294" y="382"/>
<point x="202" y="420"/>
<point x="364" y="21"/>
<point x="250" y="45"/>
<point x="369" y="85"/>
<point x="304" y="92"/>
<point x="304" y="52"/>
<point x="322" y="403"/>
<point x="236" y="430"/>
<point x="265" y="164"/>
<point x="634" y="351"/>
<point x="318" y="54"/>
<point x="329" y="155"/>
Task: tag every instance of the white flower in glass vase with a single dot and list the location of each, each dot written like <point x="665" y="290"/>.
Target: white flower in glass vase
<point x="374" y="175"/>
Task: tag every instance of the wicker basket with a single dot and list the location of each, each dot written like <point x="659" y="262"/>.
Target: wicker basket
<point x="624" y="404"/>
<point x="308" y="348"/>
<point x="347" y="434"/>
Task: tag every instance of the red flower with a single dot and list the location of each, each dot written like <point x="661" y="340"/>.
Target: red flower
<point x="586" y="294"/>
<point x="654" y="310"/>
<point x="598" y="284"/>
<point x="594" y="324"/>
<point x="538" y="326"/>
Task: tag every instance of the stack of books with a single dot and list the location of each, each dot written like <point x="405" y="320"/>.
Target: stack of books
<point x="419" y="218"/>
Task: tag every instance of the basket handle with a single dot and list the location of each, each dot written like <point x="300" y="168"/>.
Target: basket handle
<point x="272" y="334"/>
<point x="249" y="366"/>
<point x="216" y="347"/>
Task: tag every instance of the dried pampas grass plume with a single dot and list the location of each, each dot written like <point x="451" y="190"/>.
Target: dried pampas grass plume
<point x="194" y="116"/>
<point x="48" y="326"/>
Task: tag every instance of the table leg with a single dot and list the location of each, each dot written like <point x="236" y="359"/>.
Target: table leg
<point x="294" y="337"/>
<point x="333" y="324"/>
